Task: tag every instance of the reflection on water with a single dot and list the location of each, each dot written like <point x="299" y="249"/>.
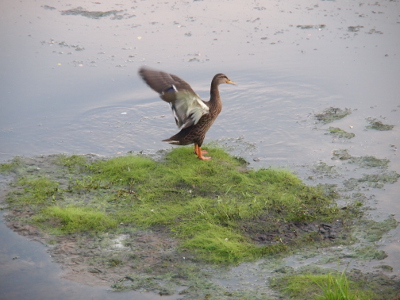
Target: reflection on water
<point x="68" y="84"/>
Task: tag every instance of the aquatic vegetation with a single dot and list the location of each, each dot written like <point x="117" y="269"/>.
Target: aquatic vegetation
<point x="341" y="154"/>
<point x="369" y="253"/>
<point x="372" y="231"/>
<point x="370" y="162"/>
<point x="372" y="180"/>
<point x="332" y="114"/>
<point x="59" y="220"/>
<point x="34" y="190"/>
<point x="12" y="165"/>
<point x="378" y="125"/>
<point x="70" y="161"/>
<point x="322" y="285"/>
<point x="219" y="210"/>
<point x="367" y="162"/>
<point x="340" y="133"/>
<point x="322" y="169"/>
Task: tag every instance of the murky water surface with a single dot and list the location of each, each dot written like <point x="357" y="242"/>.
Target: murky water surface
<point x="69" y="84"/>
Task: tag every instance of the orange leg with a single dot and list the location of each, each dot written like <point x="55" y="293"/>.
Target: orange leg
<point x="196" y="149"/>
<point x="200" y="153"/>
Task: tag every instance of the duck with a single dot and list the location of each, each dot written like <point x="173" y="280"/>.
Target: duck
<point x="193" y="116"/>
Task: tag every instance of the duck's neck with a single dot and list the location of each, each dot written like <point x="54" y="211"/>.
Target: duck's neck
<point x="215" y="98"/>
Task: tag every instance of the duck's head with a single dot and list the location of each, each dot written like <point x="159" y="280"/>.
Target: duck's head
<point x="222" y="78"/>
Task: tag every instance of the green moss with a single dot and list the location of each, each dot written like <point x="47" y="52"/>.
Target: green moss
<point x="125" y="171"/>
<point x="220" y="244"/>
<point x="215" y="208"/>
<point x="34" y="190"/>
<point x="310" y="286"/>
<point x="74" y="219"/>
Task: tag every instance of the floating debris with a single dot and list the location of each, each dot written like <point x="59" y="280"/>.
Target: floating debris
<point x="48" y="7"/>
<point x="62" y="44"/>
<point x="354" y="28"/>
<point x="320" y="26"/>
<point x="373" y="30"/>
<point x="80" y="11"/>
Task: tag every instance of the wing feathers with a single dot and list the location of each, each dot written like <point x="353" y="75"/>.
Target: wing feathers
<point x="186" y="105"/>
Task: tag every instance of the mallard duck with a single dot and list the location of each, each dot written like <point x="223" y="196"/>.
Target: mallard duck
<point x="192" y="115"/>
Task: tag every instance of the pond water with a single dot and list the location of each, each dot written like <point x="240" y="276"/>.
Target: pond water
<point x="69" y="84"/>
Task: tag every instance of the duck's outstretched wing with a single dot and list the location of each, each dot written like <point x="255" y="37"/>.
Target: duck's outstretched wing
<point x="186" y="105"/>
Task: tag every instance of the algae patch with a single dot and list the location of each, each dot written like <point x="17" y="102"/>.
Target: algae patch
<point x="332" y="114"/>
<point x="340" y="133"/>
<point x="372" y="180"/>
<point x="376" y="180"/>
<point x="372" y="231"/>
<point x="362" y="161"/>
<point x="378" y="125"/>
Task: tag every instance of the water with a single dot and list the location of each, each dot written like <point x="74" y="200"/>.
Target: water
<point x="69" y="84"/>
